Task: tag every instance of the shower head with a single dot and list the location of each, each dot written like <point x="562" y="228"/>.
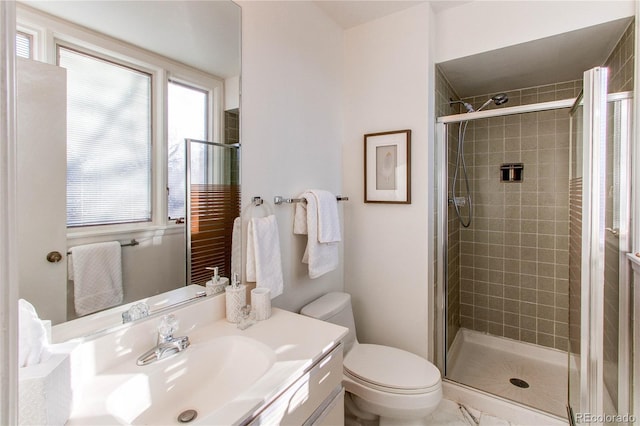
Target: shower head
<point x="498" y="99"/>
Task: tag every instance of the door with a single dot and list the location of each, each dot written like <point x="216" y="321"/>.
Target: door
<point x="599" y="343"/>
<point x="42" y="175"/>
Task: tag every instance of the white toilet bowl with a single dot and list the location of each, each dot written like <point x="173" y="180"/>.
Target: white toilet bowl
<point x="398" y="386"/>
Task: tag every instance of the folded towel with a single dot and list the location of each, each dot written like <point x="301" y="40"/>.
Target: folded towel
<point x="264" y="265"/>
<point x="33" y="344"/>
<point x="97" y="276"/>
<point x="300" y="219"/>
<point x="321" y="257"/>
<point x="328" y="219"/>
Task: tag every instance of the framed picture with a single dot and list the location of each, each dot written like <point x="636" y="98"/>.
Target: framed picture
<point x="387" y="167"/>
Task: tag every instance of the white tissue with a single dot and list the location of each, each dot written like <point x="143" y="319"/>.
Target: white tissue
<point x="45" y="393"/>
<point x="33" y="344"/>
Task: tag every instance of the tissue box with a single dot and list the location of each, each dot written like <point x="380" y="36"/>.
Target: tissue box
<point x="45" y="392"/>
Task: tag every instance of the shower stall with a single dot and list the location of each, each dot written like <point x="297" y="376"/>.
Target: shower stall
<point x="532" y="295"/>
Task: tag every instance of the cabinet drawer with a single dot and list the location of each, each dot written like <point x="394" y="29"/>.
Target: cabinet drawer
<point x="331" y="413"/>
<point x="308" y="393"/>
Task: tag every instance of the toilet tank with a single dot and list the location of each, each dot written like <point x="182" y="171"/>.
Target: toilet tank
<point x="335" y="308"/>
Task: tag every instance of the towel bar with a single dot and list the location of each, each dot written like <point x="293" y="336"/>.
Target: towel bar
<point x="131" y="243"/>
<point x="277" y="200"/>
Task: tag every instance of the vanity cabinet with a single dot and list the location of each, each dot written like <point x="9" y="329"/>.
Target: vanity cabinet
<point x="316" y="398"/>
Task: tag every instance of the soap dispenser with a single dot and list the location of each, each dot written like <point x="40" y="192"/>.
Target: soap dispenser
<point x="216" y="284"/>
<point x="236" y="299"/>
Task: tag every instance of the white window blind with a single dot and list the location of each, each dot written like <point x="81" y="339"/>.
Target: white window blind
<point x="187" y="118"/>
<point x="108" y="141"/>
<point x="23" y="45"/>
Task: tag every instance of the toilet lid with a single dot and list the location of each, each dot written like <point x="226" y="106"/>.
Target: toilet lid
<point x="393" y="369"/>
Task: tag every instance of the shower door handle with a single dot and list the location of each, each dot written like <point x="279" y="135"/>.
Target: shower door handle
<point x="614" y="231"/>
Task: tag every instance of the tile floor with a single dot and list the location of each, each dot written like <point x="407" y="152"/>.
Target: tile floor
<point x="451" y="413"/>
<point x="488" y="363"/>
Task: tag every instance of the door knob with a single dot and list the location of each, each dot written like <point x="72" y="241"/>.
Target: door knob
<point x="54" y="257"/>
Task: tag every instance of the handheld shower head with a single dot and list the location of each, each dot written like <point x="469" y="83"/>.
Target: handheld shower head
<point x="498" y="99"/>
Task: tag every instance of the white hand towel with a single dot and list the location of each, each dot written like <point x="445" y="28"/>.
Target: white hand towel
<point x="321" y="257"/>
<point x="33" y="345"/>
<point x="264" y="264"/>
<point x="328" y="219"/>
<point x="97" y="276"/>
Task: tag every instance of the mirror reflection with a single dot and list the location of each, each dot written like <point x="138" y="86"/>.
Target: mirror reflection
<point x="115" y="88"/>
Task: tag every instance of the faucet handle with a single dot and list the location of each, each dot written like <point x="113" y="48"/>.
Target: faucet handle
<point x="168" y="326"/>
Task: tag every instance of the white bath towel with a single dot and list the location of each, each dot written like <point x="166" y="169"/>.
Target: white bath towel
<point x="97" y="276"/>
<point x="328" y="219"/>
<point x="33" y="344"/>
<point x="321" y="257"/>
<point x="264" y="264"/>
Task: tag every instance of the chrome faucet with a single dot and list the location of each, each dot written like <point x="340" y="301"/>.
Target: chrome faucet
<point x="166" y="344"/>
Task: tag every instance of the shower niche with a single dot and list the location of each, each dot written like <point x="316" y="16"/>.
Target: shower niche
<point x="511" y="172"/>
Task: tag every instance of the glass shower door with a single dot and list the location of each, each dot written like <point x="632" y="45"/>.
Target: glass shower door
<point x="617" y="309"/>
<point x="598" y="285"/>
<point x="575" y="253"/>
<point x="212" y="204"/>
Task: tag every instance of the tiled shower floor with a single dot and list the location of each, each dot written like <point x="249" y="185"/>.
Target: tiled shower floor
<point x="487" y="363"/>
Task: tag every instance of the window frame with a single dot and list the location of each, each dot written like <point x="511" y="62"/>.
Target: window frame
<point x="207" y="123"/>
<point x="31" y="43"/>
<point x="50" y="31"/>
<point x="153" y="72"/>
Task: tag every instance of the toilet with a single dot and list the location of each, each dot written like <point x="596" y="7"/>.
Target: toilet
<point x="383" y="383"/>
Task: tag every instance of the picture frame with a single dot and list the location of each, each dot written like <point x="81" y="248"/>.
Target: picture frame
<point x="387" y="167"/>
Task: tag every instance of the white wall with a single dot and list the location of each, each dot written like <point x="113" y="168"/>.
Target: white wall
<point x="480" y="26"/>
<point x="387" y="77"/>
<point x="153" y="267"/>
<point x="291" y="125"/>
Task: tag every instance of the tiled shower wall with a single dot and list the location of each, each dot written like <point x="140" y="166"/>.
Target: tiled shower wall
<point x="514" y="256"/>
<point x="232" y="135"/>
<point x="620" y="62"/>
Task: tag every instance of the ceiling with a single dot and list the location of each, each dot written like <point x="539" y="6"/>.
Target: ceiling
<point x="351" y="13"/>
<point x="206" y="35"/>
<point x="549" y="60"/>
<point x="202" y="34"/>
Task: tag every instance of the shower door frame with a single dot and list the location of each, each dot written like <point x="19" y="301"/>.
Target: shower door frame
<point x="592" y="391"/>
<point x="442" y="196"/>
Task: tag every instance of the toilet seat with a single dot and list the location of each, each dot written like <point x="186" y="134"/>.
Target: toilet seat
<point x="391" y="370"/>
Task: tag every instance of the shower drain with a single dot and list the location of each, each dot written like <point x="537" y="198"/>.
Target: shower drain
<point x="519" y="383"/>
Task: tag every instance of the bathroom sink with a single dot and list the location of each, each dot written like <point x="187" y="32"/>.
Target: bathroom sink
<point x="204" y="377"/>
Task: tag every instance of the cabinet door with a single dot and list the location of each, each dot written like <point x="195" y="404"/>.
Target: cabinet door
<point x="303" y="401"/>
<point x="42" y="193"/>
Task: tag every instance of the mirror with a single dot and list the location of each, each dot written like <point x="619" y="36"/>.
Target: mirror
<point x="191" y="46"/>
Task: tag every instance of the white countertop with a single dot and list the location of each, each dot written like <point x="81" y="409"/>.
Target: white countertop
<point x="112" y="317"/>
<point x="297" y="342"/>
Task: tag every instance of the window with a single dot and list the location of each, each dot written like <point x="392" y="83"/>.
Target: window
<point x="24" y="45"/>
<point x="187" y="118"/>
<point x="108" y="141"/>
